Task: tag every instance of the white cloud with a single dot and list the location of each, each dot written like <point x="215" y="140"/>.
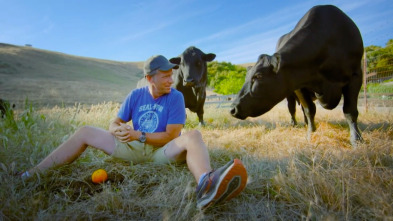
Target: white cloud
<point x="152" y="15"/>
<point x="144" y="32"/>
<point x="350" y="6"/>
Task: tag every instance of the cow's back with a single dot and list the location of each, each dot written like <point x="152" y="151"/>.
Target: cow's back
<point x="325" y="38"/>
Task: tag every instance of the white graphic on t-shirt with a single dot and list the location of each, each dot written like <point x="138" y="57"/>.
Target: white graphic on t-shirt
<point x="148" y="122"/>
<point x="151" y="107"/>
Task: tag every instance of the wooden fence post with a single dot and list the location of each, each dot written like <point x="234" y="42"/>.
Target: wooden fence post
<point x="365" y="81"/>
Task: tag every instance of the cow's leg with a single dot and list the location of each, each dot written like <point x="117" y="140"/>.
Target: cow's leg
<point x="292" y="108"/>
<point x="350" y="109"/>
<point x="304" y="115"/>
<point x="200" y="117"/>
<point x="309" y="110"/>
<point x="201" y="102"/>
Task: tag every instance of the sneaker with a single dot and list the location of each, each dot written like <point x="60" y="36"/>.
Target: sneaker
<point x="23" y="175"/>
<point x="221" y="184"/>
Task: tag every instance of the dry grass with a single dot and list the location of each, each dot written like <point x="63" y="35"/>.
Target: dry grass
<point x="290" y="178"/>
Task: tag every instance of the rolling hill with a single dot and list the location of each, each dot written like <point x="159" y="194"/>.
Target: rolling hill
<point x="48" y="78"/>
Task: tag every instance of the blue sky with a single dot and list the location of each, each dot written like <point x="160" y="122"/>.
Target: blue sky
<point x="237" y="31"/>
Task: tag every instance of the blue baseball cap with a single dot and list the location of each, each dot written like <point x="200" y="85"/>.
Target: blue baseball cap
<point x="157" y="62"/>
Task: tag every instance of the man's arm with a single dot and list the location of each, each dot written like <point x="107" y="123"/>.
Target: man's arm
<point x="161" y="138"/>
<point x="125" y="133"/>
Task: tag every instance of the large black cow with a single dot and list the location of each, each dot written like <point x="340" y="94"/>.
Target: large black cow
<point x="191" y="78"/>
<point x="321" y="56"/>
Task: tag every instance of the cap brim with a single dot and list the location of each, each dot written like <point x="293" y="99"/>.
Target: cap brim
<point x="169" y="66"/>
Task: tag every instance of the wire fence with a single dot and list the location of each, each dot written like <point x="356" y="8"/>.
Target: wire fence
<point x="376" y="74"/>
<point x="220" y="101"/>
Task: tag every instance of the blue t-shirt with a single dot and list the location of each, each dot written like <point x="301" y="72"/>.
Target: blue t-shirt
<point x="153" y="115"/>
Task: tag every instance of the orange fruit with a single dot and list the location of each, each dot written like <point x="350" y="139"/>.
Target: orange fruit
<point x="99" y="176"/>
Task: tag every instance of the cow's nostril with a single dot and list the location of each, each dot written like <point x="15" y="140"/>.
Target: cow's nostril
<point x="188" y="83"/>
<point x="233" y="111"/>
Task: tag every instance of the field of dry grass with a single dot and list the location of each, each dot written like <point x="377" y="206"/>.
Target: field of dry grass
<point x="290" y="177"/>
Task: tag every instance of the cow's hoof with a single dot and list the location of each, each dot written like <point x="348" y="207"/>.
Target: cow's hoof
<point x="356" y="141"/>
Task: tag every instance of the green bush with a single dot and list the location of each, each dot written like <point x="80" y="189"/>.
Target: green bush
<point x="380" y="57"/>
<point x="379" y="88"/>
<point x="225" y="77"/>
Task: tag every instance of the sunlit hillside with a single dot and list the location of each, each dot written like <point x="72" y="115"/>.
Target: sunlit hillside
<point x="49" y="78"/>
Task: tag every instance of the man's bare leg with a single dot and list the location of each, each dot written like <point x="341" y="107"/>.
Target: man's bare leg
<point x="70" y="150"/>
<point x="190" y="147"/>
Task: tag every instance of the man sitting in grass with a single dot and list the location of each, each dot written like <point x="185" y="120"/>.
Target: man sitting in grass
<point x="158" y="115"/>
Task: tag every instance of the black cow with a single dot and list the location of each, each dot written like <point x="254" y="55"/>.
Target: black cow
<point x="191" y="78"/>
<point x="6" y="108"/>
<point x="321" y="56"/>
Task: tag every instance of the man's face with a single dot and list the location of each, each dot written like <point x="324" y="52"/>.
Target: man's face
<point x="161" y="83"/>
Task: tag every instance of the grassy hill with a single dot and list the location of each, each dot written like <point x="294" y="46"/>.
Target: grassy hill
<point x="246" y="65"/>
<point x="49" y="78"/>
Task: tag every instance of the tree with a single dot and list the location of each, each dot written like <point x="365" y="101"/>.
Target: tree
<point x="225" y="77"/>
<point x="380" y="60"/>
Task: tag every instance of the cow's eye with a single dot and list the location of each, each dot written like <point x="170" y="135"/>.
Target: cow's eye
<point x="257" y="77"/>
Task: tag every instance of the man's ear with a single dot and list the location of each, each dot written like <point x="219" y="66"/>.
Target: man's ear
<point x="148" y="78"/>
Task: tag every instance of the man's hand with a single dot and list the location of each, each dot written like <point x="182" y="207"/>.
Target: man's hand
<point x="125" y="133"/>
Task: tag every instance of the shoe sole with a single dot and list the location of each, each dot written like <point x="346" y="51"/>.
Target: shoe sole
<point x="231" y="183"/>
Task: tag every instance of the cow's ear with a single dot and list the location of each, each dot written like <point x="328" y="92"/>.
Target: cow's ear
<point x="275" y="62"/>
<point x="208" y="57"/>
<point x="262" y="56"/>
<point x="175" y="60"/>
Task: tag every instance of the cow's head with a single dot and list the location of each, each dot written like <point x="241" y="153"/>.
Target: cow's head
<point x="262" y="89"/>
<point x="193" y="66"/>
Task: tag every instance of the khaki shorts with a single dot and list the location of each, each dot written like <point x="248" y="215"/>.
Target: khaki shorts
<point x="138" y="152"/>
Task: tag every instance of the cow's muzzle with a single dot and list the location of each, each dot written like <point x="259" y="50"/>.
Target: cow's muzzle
<point x="189" y="83"/>
<point x="236" y="113"/>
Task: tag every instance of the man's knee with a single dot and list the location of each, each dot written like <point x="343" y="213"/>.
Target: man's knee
<point x="84" y="130"/>
<point x="193" y="134"/>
